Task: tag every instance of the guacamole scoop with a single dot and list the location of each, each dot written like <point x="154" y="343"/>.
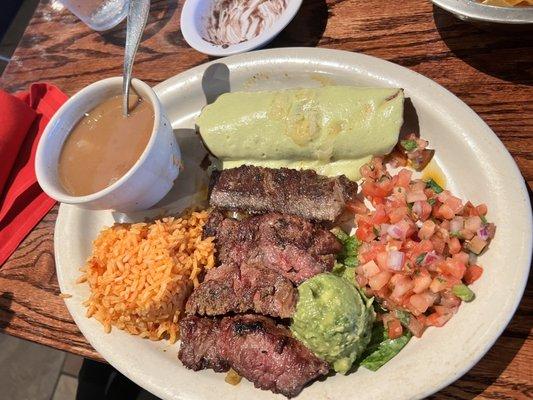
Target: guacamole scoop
<point x="332" y="320"/>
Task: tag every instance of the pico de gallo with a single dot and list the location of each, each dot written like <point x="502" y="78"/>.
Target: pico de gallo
<point x="418" y="245"/>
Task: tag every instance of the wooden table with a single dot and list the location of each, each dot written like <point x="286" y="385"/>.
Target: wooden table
<point x="491" y="72"/>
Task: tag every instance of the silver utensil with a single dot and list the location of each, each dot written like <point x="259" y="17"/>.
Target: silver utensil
<point x="137" y="17"/>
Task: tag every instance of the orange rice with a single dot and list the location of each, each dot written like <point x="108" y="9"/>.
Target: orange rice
<point x="140" y="275"/>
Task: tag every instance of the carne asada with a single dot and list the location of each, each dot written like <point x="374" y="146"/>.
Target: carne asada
<point x="254" y="346"/>
<point x="244" y="288"/>
<point x="294" y="247"/>
<point x="303" y="193"/>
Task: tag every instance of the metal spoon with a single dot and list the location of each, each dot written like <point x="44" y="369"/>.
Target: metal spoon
<point x="137" y="17"/>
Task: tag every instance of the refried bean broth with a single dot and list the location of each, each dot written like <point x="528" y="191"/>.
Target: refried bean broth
<point x="104" y="145"/>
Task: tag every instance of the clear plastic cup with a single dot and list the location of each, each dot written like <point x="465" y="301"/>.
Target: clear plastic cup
<point x="99" y="15"/>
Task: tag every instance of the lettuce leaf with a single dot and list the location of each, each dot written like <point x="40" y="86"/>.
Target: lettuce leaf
<point x="381" y="349"/>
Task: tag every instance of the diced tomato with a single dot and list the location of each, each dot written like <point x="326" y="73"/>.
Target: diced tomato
<point x="438" y="244"/>
<point x="374" y="190"/>
<point x="417" y="185"/>
<point x="482" y="209"/>
<point x="424" y="246"/>
<point x="453" y="267"/>
<point x="438" y="284"/>
<point x="438" y="320"/>
<point x="394" y="328"/>
<point x="365" y="233"/>
<point x="397" y="214"/>
<point x="454" y="246"/>
<point x="380" y="216"/>
<point x="427" y="230"/>
<point x="409" y="245"/>
<point x="380" y="280"/>
<point x="371" y="253"/>
<point x="423" y="232"/>
<point x="357" y="207"/>
<point x="454" y="203"/>
<point x="472" y="274"/>
<point x="412" y="196"/>
<point x="402" y="285"/>
<point x="444" y="211"/>
<point x="366" y="171"/>
<point x="422" y="281"/>
<point x="381" y="259"/>
<point x="422" y="301"/>
<point x="404" y="177"/>
<point x="461" y="257"/>
<point x="369" y="269"/>
<point x="378" y="200"/>
<point x="469" y="210"/>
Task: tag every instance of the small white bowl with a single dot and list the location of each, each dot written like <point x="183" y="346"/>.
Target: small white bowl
<point x="192" y="23"/>
<point x="147" y="182"/>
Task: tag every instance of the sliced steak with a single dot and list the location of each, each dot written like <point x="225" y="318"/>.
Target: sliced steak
<point x="213" y="222"/>
<point x="255" y="347"/>
<point x="199" y="338"/>
<point x="244" y="288"/>
<point x="303" y="193"/>
<point x="297" y="248"/>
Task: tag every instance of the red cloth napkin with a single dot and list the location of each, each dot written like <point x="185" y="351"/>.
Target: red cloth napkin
<point x="23" y="204"/>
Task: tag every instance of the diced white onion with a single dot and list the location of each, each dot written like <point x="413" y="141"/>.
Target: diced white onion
<point x="395" y="260"/>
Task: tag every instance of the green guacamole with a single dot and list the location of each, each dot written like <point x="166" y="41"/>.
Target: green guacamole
<point x="332" y="320"/>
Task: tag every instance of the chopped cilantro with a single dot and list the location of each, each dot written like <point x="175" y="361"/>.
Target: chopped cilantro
<point x="420" y="258"/>
<point x="432" y="202"/>
<point x="410" y="205"/>
<point x="409" y="145"/>
<point x="403" y="316"/>
<point x="434" y="186"/>
<point x="375" y="230"/>
<point x="456" y="234"/>
<point x="483" y="219"/>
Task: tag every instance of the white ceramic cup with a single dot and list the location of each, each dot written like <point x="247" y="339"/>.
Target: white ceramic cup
<point x="148" y="180"/>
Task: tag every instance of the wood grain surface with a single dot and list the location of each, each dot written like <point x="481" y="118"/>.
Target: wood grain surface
<point x="490" y="70"/>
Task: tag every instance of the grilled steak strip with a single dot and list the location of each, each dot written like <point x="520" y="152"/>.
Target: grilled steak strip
<point x="303" y="193"/>
<point x="255" y="347"/>
<point x="199" y="340"/>
<point x="244" y="288"/>
<point x="291" y="245"/>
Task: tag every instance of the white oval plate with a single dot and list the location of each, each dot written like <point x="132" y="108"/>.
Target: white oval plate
<point x="477" y="167"/>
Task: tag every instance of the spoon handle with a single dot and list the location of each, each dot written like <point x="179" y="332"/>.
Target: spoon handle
<point x="137" y="17"/>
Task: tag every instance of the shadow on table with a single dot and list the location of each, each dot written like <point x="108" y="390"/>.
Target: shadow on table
<point x="6" y="314"/>
<point x="307" y="27"/>
<point x="504" y="55"/>
<point x="487" y="371"/>
<point x="161" y="13"/>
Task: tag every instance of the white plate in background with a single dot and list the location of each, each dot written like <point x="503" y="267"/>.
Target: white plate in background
<point x="477" y="167"/>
